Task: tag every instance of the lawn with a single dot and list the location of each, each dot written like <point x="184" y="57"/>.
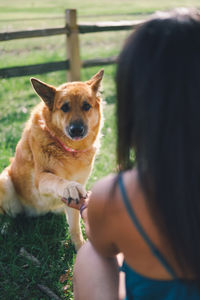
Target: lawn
<point x="47" y="238"/>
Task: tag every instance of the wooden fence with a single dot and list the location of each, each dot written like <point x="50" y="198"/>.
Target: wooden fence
<point x="73" y="63"/>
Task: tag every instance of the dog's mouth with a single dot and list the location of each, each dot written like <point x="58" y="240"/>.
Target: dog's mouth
<point x="76" y="130"/>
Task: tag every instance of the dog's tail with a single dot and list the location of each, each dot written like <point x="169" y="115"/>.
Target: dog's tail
<point x="9" y="203"/>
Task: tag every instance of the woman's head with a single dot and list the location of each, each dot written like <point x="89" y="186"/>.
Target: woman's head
<point x="158" y="84"/>
<point x="158" y="90"/>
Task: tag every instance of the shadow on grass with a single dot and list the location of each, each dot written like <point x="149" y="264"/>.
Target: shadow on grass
<point x="47" y="240"/>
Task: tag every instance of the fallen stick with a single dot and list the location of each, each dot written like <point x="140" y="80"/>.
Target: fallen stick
<point x="43" y="288"/>
<point x="29" y="256"/>
<point x="48" y="292"/>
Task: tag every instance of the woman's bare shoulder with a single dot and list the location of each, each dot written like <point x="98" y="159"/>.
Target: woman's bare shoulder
<point x="102" y="194"/>
<point x="106" y="211"/>
<point x="103" y="187"/>
<point x="99" y="215"/>
<point x="105" y="192"/>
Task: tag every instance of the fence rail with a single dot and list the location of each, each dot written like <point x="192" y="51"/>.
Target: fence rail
<point x="7" y="36"/>
<point x="52" y="67"/>
<point x="72" y="30"/>
<point x="82" y="28"/>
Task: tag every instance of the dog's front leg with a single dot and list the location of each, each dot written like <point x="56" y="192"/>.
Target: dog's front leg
<point x="73" y="219"/>
<point x="58" y="187"/>
<point x="52" y="185"/>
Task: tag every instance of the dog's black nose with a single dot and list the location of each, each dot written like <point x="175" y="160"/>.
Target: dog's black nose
<point x="76" y="129"/>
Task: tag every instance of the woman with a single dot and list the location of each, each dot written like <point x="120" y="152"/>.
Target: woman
<point x="150" y="212"/>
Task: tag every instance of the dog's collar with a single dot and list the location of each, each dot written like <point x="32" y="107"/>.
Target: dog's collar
<point x="63" y="145"/>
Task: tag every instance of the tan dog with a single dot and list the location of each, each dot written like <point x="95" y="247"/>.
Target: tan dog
<point x="55" y="154"/>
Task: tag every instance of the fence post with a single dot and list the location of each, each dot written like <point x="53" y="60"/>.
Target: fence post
<point x="73" y="50"/>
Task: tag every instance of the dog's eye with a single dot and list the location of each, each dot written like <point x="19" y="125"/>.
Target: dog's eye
<point x="65" y="107"/>
<point x="86" y="106"/>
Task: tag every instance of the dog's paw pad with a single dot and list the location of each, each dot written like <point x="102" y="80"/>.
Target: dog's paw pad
<point x="74" y="191"/>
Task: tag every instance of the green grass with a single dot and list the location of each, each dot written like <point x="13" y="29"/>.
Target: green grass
<point x="47" y="237"/>
<point x="88" y="10"/>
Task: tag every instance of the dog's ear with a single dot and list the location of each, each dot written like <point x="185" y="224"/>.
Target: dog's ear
<point x="95" y="81"/>
<point x="45" y="91"/>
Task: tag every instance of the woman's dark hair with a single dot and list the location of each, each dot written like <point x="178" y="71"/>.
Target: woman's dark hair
<point x="158" y="115"/>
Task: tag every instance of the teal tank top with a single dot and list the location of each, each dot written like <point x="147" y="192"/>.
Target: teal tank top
<point x="139" y="287"/>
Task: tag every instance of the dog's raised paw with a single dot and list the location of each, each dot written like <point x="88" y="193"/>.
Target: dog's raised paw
<point x="74" y="191"/>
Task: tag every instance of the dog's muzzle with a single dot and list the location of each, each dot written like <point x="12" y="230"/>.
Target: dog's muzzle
<point x="76" y="130"/>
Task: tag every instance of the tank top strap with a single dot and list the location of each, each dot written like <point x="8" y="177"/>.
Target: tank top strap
<point x="140" y="229"/>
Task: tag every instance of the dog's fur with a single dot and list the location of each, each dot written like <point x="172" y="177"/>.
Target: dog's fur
<point x="43" y="169"/>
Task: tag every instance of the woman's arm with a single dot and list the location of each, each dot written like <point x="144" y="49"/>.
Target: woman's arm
<point x="99" y="217"/>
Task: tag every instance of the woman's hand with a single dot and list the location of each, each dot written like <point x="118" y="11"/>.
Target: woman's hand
<point x="80" y="205"/>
